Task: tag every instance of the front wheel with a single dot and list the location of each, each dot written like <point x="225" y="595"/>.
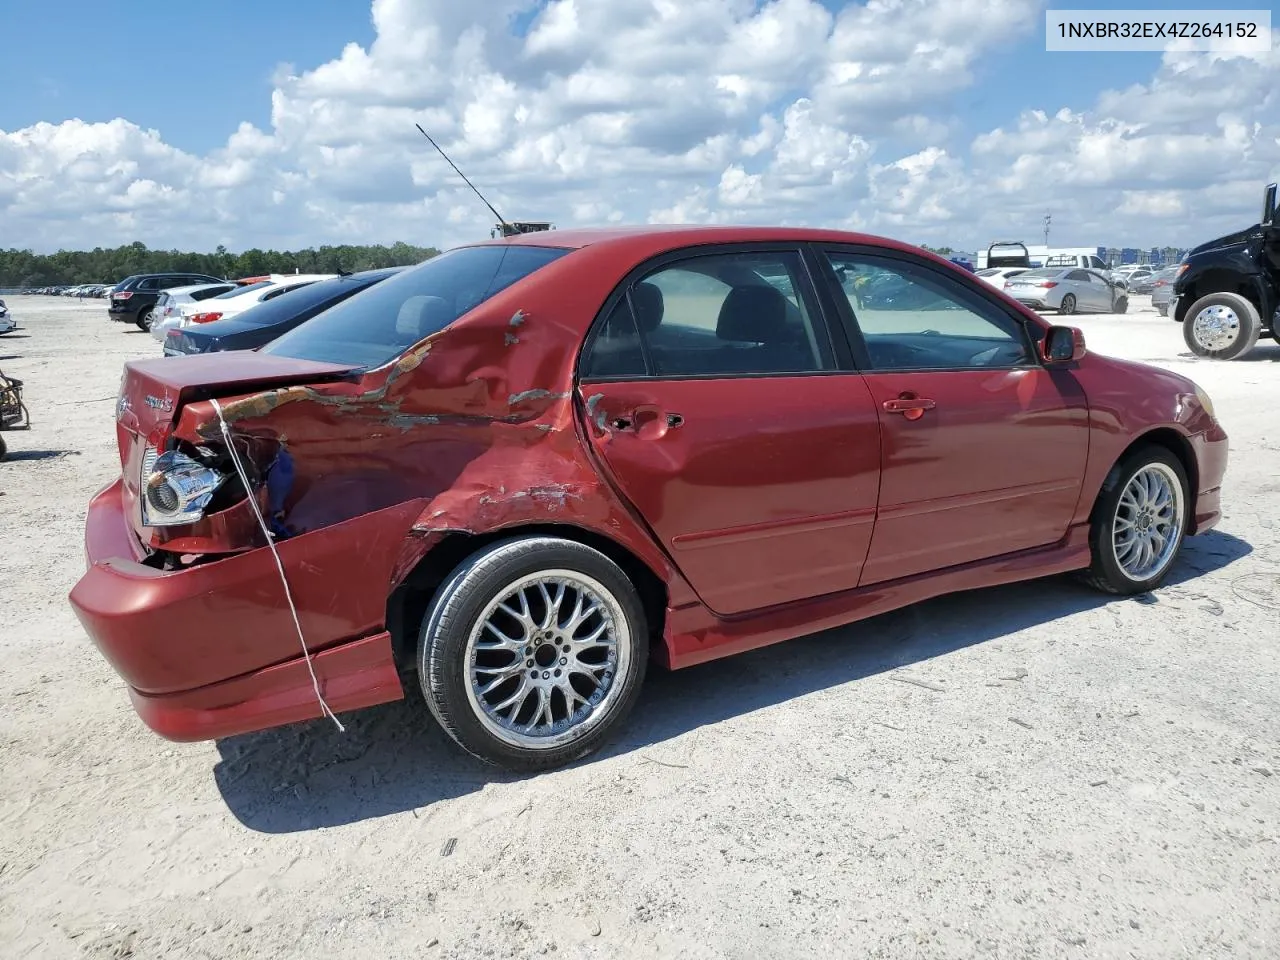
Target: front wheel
<point x="1139" y="522"/>
<point x="533" y="652"/>
<point x="1221" y="326"/>
<point x="1164" y="309"/>
<point x="1121" y="305"/>
<point x="1068" y="305"/>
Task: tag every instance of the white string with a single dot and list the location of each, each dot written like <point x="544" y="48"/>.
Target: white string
<point x="271" y="543"/>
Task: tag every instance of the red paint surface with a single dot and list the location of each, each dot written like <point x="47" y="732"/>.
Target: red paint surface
<point x="351" y="676"/>
<point x="777" y="506"/>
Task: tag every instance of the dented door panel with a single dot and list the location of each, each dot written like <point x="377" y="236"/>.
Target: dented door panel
<point x="762" y="489"/>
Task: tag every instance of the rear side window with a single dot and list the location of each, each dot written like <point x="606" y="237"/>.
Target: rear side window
<point x="381" y="323"/>
<point x="150" y="283"/>
<point x="721" y="315"/>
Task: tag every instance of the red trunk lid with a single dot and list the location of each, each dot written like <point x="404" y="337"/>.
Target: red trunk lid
<point x="152" y="392"/>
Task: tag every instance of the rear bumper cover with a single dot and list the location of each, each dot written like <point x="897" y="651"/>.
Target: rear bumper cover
<point x="211" y="651"/>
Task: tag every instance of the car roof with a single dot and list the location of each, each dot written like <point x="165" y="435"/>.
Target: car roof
<point x="653" y="239"/>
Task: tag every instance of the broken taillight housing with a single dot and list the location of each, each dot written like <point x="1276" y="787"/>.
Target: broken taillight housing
<point x="176" y="488"/>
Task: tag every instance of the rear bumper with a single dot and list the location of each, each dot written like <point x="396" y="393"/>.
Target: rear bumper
<point x="123" y="314"/>
<point x="351" y="676"/>
<point x="212" y="650"/>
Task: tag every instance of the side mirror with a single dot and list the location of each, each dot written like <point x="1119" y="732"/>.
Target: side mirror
<point x="1269" y="205"/>
<point x="1062" y="345"/>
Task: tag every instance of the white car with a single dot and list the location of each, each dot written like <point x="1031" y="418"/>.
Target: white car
<point x="242" y="298"/>
<point x="165" y="314"/>
<point x="996" y="276"/>
<point x="7" y="323"/>
<point x="235" y="302"/>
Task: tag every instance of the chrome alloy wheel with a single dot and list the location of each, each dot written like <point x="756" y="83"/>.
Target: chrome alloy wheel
<point x="1148" y="522"/>
<point x="547" y="658"/>
<point x="1216" y="327"/>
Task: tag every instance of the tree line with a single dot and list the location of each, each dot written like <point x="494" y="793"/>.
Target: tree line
<point x="23" y="268"/>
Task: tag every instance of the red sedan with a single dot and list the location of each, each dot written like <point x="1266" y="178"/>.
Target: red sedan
<point x="514" y="474"/>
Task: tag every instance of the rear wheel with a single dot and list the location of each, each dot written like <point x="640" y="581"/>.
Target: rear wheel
<point x="1164" y="309"/>
<point x="1139" y="522"/>
<point x="1221" y="326"/>
<point x="533" y="652"/>
<point x="1068" y="306"/>
<point x="144" y="320"/>
<point x="3" y="448"/>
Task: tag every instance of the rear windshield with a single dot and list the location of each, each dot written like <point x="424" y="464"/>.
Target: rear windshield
<point x="302" y="298"/>
<point x="236" y="291"/>
<point x="381" y="323"/>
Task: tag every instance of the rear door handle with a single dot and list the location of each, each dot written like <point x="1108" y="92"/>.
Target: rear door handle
<point x="643" y="414"/>
<point x="912" y="408"/>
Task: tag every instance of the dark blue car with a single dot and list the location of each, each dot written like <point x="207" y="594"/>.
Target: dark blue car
<point x="261" y="324"/>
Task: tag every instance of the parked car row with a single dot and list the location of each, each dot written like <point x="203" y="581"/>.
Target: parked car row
<point x="136" y="299"/>
<point x="96" y="290"/>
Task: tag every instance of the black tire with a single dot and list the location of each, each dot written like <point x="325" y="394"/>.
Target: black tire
<point x="144" y="320"/>
<point x="1247" y="326"/>
<point x="444" y="664"/>
<point x="4" y="449"/>
<point x="1164" y="309"/>
<point x="1068" y="306"/>
<point x="1105" y="572"/>
<point x="1121" y="305"/>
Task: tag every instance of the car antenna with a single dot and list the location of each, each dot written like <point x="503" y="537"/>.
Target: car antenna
<point x="501" y="220"/>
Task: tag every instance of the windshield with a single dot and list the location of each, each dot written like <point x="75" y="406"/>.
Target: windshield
<point x="381" y="323"/>
<point x="236" y="291"/>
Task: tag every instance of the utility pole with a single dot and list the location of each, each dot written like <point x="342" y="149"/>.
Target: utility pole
<point x="1047" y="218"/>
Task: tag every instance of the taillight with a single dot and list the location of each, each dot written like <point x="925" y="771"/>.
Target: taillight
<point x="1047" y="284"/>
<point x="175" y="488"/>
<point x="124" y="295"/>
<point x="205" y="317"/>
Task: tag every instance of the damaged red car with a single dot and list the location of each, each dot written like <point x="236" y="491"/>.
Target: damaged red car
<point x="512" y="476"/>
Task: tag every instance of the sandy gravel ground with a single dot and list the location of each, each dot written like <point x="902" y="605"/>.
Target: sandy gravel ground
<point x="1031" y="771"/>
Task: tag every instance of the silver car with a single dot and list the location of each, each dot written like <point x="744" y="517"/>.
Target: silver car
<point x="167" y="312"/>
<point x="1071" y="290"/>
<point x="1162" y="289"/>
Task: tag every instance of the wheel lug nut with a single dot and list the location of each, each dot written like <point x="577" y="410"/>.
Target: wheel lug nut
<point x="563" y="661"/>
<point x="528" y="663"/>
<point x="557" y="673"/>
<point x="533" y="674"/>
<point x="528" y="651"/>
<point x="546" y="674"/>
<point x="565" y="648"/>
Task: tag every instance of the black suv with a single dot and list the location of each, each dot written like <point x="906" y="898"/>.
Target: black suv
<point x="1228" y="290"/>
<point x="133" y="297"/>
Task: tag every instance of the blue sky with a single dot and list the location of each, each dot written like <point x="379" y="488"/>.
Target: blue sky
<point x="777" y="116"/>
<point x="186" y="90"/>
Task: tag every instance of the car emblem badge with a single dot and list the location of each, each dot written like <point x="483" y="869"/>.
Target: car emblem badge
<point x="159" y="403"/>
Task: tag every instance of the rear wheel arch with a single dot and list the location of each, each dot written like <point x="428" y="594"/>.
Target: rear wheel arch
<point x="408" y="602"/>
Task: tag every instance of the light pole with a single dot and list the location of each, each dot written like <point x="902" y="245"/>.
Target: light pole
<point x="1047" y="218"/>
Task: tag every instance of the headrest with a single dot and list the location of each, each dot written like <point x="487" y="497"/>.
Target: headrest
<point x="649" y="305"/>
<point x="422" y="316"/>
<point x="755" y="314"/>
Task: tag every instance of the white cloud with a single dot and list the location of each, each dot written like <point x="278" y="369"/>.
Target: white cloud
<point x="604" y="111"/>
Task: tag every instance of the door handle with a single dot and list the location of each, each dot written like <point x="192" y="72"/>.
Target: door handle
<point x="643" y="414"/>
<point x="912" y="408"/>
